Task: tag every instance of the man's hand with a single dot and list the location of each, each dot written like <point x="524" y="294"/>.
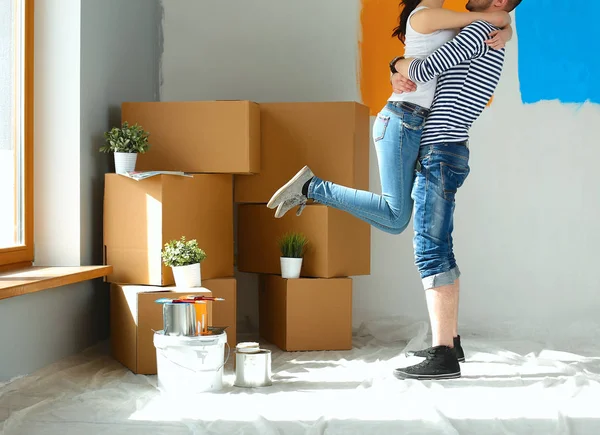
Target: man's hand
<point x="499" y="38"/>
<point x="401" y="84"/>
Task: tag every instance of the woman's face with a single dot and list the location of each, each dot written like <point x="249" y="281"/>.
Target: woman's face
<point x="478" y="5"/>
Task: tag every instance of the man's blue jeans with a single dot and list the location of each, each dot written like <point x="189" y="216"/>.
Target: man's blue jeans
<point x="397" y="136"/>
<point x="440" y="171"/>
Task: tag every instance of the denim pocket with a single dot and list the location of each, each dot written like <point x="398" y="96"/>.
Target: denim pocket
<point x="453" y="178"/>
<point x="413" y="122"/>
<point x="380" y="127"/>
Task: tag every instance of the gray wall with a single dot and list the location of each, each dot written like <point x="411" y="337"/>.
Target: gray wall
<point x="119" y="62"/>
<point x="79" y="88"/>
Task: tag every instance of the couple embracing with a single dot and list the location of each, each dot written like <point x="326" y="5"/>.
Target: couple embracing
<point x="452" y="64"/>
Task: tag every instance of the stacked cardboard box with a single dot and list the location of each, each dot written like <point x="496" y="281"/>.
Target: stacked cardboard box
<point x="315" y="311"/>
<point x="211" y="141"/>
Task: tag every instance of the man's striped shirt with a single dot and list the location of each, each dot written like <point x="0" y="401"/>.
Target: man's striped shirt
<point x="468" y="72"/>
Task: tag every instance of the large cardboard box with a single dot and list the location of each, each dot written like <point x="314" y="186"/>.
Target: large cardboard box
<point x="134" y="316"/>
<point x="332" y="138"/>
<point x="141" y="216"/>
<point x="306" y="314"/>
<point x="224" y="313"/>
<point x="339" y="244"/>
<point x="198" y="136"/>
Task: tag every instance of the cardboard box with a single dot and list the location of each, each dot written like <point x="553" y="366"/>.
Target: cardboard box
<point x="332" y="138"/>
<point x="198" y="136"/>
<point x="141" y="216"/>
<point x="225" y="313"/>
<point x="134" y="315"/>
<point x="339" y="244"/>
<point x="306" y="314"/>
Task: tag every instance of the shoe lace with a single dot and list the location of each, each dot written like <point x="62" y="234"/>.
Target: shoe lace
<point x="298" y="200"/>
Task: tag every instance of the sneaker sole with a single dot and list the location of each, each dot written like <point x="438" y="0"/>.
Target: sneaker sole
<point x="273" y="202"/>
<point x="462" y="360"/>
<point x="404" y="376"/>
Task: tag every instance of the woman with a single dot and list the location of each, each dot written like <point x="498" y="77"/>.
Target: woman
<point x="423" y="27"/>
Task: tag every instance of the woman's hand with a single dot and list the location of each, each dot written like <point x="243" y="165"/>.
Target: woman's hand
<point x="499" y="38"/>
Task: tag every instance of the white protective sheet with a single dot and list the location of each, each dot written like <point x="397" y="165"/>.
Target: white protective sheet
<point x="508" y="387"/>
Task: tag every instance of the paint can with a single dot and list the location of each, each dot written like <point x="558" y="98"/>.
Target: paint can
<point x="190" y="365"/>
<point x="252" y="367"/>
<point x="179" y="319"/>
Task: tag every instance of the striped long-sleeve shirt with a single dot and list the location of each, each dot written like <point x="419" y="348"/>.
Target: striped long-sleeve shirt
<point x="468" y="72"/>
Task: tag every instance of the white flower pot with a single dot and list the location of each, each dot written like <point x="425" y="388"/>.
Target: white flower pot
<point x="125" y="162"/>
<point x="290" y="267"/>
<point x="187" y="276"/>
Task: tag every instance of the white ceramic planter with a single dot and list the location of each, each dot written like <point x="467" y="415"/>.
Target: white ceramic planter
<point x="125" y="162"/>
<point x="187" y="276"/>
<point x="290" y="267"/>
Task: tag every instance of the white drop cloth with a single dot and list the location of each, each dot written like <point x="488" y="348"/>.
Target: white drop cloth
<point x="508" y="387"/>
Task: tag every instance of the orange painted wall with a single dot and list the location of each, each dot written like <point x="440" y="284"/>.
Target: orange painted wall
<point x="378" y="19"/>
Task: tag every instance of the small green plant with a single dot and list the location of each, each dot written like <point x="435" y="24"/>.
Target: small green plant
<point x="126" y="139"/>
<point x="293" y="245"/>
<point x="182" y="253"/>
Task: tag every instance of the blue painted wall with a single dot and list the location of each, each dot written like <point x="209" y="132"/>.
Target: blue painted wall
<point x="559" y="51"/>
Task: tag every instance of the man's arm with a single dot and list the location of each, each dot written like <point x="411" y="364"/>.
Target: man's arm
<point x="468" y="44"/>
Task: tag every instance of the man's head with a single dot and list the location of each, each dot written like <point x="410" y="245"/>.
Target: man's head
<point x="492" y="5"/>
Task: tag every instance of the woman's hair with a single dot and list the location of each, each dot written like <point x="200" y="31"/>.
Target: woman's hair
<point x="407" y="7"/>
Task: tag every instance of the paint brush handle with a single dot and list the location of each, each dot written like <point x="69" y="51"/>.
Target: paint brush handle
<point x="202" y="298"/>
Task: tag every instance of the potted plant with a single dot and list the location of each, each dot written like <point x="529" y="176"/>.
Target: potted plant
<point x="125" y="142"/>
<point x="292" y="247"/>
<point x="184" y="258"/>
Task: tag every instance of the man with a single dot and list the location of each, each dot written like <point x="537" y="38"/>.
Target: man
<point x="468" y="72"/>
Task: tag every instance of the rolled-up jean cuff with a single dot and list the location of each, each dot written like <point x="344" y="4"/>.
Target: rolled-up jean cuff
<point x="441" y="279"/>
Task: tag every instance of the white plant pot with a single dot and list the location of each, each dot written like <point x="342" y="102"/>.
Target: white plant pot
<point x="290" y="267"/>
<point x="187" y="276"/>
<point x="125" y="162"/>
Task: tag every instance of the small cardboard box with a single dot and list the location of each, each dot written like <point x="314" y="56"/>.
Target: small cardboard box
<point x="141" y="216"/>
<point x="332" y="138"/>
<point x="198" y="136"/>
<point x="339" y="244"/>
<point x="306" y="314"/>
<point x="134" y="316"/>
<point x="224" y="313"/>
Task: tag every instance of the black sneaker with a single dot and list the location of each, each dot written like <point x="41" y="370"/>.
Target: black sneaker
<point x="440" y="363"/>
<point x="460" y="353"/>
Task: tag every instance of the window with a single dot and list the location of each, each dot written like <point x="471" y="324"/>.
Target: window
<point x="16" y="131"/>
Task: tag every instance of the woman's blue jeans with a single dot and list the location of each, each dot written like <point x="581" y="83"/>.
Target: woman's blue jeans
<point x="397" y="136"/>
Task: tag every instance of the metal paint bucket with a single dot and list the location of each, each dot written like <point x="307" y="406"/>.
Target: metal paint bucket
<point x="179" y="319"/>
<point x="253" y="369"/>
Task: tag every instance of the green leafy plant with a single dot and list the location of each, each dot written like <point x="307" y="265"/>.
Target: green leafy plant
<point x="182" y="253"/>
<point x="293" y="245"/>
<point x="126" y="139"/>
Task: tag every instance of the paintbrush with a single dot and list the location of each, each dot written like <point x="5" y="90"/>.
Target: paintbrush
<point x="188" y="301"/>
<point x="200" y="298"/>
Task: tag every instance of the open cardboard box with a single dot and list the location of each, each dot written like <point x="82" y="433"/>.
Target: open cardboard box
<point x="134" y="316"/>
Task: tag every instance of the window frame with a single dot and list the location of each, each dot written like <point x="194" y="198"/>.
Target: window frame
<point x="22" y="255"/>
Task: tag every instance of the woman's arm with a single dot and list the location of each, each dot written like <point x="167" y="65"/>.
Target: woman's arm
<point x="432" y="19"/>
